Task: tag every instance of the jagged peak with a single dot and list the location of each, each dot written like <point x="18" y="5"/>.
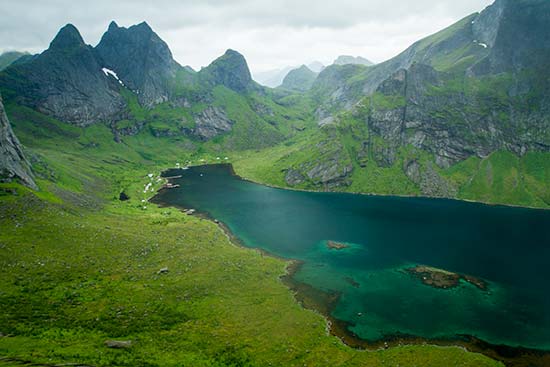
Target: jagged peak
<point x="113" y="26"/>
<point x="67" y="37"/>
<point x="143" y="26"/>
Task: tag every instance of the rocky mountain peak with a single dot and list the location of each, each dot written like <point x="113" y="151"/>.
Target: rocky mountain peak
<point x="112" y="26"/>
<point x="230" y="70"/>
<point x="141" y="59"/>
<point x="68" y="37"/>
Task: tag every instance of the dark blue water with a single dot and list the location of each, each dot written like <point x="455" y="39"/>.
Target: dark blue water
<point x="507" y="247"/>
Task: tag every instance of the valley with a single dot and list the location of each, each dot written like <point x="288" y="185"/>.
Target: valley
<point x="390" y="165"/>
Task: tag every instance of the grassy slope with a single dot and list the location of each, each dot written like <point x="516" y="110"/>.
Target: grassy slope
<point x="80" y="267"/>
<point x="501" y="178"/>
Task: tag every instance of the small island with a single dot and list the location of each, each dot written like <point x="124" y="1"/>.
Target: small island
<point x="332" y="245"/>
<point x="443" y="279"/>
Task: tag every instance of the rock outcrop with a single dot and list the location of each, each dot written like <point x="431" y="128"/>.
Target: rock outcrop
<point x="13" y="164"/>
<point x="211" y="122"/>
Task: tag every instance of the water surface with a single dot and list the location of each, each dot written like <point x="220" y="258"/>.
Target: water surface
<point x="507" y="247"/>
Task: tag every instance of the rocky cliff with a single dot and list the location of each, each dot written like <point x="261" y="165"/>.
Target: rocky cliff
<point x="13" y="164"/>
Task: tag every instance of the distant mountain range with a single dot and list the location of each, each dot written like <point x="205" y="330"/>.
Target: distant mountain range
<point x="274" y="78"/>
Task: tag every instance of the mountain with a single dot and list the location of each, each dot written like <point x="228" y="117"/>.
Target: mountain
<point x="13" y="163"/>
<point x="272" y="78"/>
<point x="355" y="60"/>
<point x="439" y="118"/>
<point x="8" y="58"/>
<point x="141" y="60"/>
<point x="66" y="81"/>
<point x="229" y="70"/>
<point x="316" y="66"/>
<point x="300" y="79"/>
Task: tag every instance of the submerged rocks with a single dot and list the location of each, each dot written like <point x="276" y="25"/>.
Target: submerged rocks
<point x="439" y="278"/>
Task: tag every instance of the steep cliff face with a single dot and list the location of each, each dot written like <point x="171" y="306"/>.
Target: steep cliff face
<point x="13" y="164"/>
<point x="141" y="60"/>
<point x="517" y="32"/>
<point x="428" y="110"/>
<point x="66" y="81"/>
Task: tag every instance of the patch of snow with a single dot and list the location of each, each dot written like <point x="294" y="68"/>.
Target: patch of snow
<point x="484" y="45"/>
<point x="109" y="72"/>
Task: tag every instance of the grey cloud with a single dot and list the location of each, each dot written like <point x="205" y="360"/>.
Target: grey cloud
<point x="218" y="24"/>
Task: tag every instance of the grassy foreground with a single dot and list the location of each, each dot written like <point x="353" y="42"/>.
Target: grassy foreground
<point x="80" y="267"/>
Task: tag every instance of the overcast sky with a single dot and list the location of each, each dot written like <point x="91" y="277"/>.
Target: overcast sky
<point x="270" y="33"/>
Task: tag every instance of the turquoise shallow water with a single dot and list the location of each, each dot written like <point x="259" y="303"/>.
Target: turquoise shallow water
<point x="507" y="247"/>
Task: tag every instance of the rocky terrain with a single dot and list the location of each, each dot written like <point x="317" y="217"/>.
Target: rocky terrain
<point x="13" y="163"/>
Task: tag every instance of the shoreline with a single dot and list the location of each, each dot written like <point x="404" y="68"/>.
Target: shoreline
<point x="324" y="303"/>
<point x="373" y="194"/>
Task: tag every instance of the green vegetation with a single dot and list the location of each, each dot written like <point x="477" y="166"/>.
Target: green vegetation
<point x="82" y="267"/>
